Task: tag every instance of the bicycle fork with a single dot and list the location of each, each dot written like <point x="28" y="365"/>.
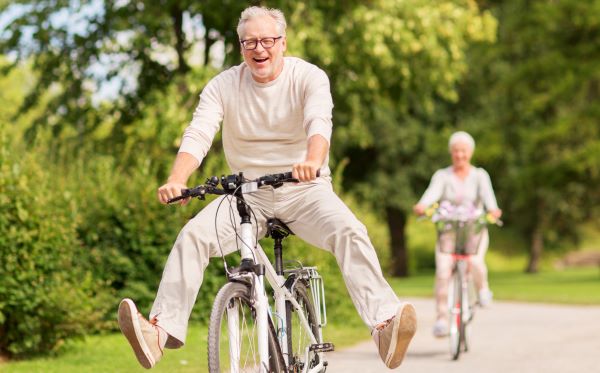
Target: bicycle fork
<point x="260" y="298"/>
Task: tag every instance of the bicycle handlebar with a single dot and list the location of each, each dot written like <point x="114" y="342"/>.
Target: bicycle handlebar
<point x="235" y="184"/>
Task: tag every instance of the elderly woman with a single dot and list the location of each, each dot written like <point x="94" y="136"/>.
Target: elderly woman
<point x="460" y="184"/>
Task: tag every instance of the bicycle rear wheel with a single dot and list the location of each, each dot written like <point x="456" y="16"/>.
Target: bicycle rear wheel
<point x="298" y="337"/>
<point x="455" y="302"/>
<point x="233" y="334"/>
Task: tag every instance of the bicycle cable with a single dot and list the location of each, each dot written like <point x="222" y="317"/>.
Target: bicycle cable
<point x="230" y="199"/>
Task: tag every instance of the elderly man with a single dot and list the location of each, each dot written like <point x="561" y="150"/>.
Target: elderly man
<point x="276" y="113"/>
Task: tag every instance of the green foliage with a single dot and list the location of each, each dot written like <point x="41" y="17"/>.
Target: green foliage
<point x="533" y="100"/>
<point x="126" y="232"/>
<point x="45" y="297"/>
<point x="396" y="72"/>
<point x="78" y="47"/>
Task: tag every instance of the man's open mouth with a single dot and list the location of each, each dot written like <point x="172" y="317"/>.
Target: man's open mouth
<point x="260" y="60"/>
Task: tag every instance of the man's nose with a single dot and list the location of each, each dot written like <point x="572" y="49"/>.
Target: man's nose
<point x="259" y="47"/>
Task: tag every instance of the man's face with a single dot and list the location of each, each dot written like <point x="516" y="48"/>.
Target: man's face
<point x="265" y="64"/>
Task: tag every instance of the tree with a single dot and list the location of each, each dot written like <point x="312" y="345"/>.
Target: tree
<point x="143" y="46"/>
<point x="395" y="72"/>
<point x="537" y="95"/>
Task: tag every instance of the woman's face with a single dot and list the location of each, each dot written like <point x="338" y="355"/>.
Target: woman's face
<point x="461" y="154"/>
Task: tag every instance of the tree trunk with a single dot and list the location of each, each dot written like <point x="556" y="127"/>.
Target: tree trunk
<point x="537" y="247"/>
<point x="396" y="220"/>
<point x="180" y="44"/>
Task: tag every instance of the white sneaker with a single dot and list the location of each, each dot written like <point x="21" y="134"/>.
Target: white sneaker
<point x="440" y="328"/>
<point x="485" y="297"/>
<point x="393" y="336"/>
<point x="146" y="339"/>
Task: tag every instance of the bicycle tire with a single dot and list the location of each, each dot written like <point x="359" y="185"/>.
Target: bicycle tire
<point x="297" y="338"/>
<point x="470" y="294"/>
<point x="237" y="297"/>
<point x="456" y="330"/>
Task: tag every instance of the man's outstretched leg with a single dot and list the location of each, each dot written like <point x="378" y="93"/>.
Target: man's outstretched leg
<point x="318" y="216"/>
<point x="178" y="288"/>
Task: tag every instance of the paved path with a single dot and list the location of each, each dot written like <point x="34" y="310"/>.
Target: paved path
<point x="505" y="338"/>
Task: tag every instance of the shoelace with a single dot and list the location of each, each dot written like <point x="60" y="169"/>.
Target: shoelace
<point x="153" y="321"/>
<point x="384" y="324"/>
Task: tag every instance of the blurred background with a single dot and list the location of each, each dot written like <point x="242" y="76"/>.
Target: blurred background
<point x="94" y="97"/>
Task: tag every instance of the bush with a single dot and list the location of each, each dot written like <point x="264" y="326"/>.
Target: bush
<point x="127" y="233"/>
<point x="45" y="297"/>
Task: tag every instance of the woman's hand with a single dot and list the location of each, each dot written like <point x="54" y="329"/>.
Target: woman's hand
<point x="419" y="209"/>
<point x="497" y="213"/>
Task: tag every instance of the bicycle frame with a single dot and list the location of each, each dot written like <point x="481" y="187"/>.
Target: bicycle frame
<point x="254" y="266"/>
<point x="462" y="265"/>
<point x="251" y="253"/>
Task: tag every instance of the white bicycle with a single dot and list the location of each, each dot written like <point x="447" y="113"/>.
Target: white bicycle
<point x="246" y="333"/>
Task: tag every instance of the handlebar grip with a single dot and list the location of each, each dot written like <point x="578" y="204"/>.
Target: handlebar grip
<point x="175" y="199"/>
<point x="288" y="175"/>
<point x="185" y="193"/>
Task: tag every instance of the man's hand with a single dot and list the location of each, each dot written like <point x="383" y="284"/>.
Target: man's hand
<point x="183" y="167"/>
<point x="316" y="152"/>
<point x="171" y="190"/>
<point x="305" y="171"/>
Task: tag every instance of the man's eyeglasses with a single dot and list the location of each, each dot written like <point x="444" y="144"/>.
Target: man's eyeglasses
<point x="251" y="44"/>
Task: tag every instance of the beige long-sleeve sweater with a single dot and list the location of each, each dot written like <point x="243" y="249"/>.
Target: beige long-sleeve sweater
<point x="265" y="125"/>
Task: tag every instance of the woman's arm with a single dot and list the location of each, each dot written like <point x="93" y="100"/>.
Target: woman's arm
<point x="486" y="193"/>
<point x="432" y="194"/>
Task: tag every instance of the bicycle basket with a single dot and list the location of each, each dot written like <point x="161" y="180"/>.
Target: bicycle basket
<point x="459" y="237"/>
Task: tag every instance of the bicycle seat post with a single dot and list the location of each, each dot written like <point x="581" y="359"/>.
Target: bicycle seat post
<point x="277" y="230"/>
<point x="278" y="248"/>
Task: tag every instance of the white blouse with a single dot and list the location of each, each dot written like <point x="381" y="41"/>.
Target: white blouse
<point x="476" y="188"/>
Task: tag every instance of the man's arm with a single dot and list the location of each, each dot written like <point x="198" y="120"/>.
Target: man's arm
<point x="316" y="152"/>
<point x="184" y="166"/>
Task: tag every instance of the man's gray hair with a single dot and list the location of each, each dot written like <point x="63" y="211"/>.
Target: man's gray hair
<point x="461" y="136"/>
<point x="258" y="11"/>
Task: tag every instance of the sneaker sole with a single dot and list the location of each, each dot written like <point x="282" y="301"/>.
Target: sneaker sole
<point x="405" y="326"/>
<point x="130" y="327"/>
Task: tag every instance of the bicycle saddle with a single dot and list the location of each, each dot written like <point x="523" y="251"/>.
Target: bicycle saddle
<point x="277" y="229"/>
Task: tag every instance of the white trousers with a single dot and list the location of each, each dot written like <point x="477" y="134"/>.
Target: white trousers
<point x="313" y="212"/>
<point x="443" y="270"/>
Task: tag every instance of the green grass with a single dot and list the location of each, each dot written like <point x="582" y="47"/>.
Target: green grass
<point x="506" y="261"/>
<point x="111" y="353"/>
<point x="573" y="286"/>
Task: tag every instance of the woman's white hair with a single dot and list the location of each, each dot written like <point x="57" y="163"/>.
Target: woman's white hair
<point x="258" y="11"/>
<point x="462" y="137"/>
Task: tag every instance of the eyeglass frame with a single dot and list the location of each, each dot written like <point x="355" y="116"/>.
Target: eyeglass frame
<point x="259" y="41"/>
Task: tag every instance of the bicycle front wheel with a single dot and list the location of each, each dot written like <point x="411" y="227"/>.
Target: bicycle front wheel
<point x="456" y="314"/>
<point x="298" y="337"/>
<point x="233" y="334"/>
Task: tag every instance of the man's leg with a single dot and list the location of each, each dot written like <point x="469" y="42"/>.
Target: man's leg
<point x="317" y="215"/>
<point x="181" y="281"/>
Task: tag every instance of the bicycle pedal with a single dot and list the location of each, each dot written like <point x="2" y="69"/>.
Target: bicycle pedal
<point x="322" y="347"/>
